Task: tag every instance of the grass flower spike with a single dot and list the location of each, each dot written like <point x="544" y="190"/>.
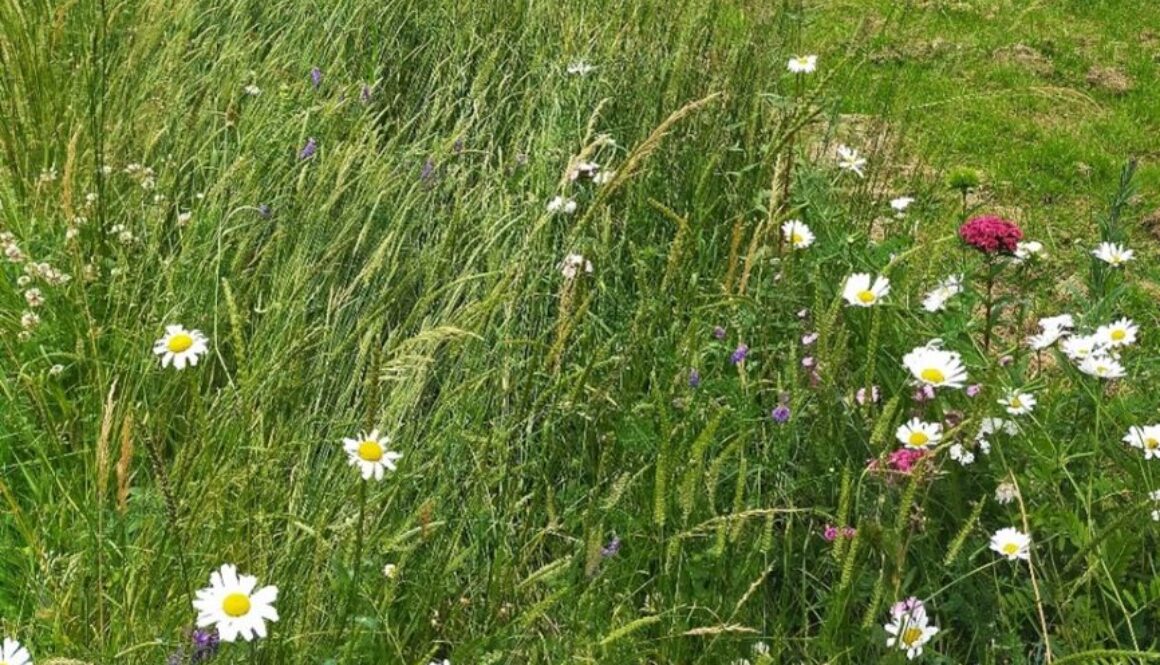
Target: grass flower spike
<point x="234" y="605"/>
<point x="860" y="292"/>
<point x="369" y="453"/>
<point x="180" y="347"/>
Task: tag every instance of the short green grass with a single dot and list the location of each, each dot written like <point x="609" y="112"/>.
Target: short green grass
<point x="406" y="278"/>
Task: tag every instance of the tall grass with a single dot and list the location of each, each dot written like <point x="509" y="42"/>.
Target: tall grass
<point x="405" y="278"/>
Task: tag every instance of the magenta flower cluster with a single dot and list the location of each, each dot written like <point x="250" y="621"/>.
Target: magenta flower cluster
<point x="991" y="235"/>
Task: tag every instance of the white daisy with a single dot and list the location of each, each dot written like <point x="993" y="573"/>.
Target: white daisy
<point x="900" y="204"/>
<point x="933" y="366"/>
<point x="850" y="160"/>
<point x="1146" y="438"/>
<point x="990" y="426"/>
<point x="1102" y="366"/>
<point x="1026" y="250"/>
<point x="918" y="434"/>
<point x="1112" y="254"/>
<point x="232" y="605"/>
<point x="1012" y="543"/>
<point x="861" y="293"/>
<point x="571" y="265"/>
<point x="12" y="653"/>
<point x="1053" y="328"/>
<point x="802" y="64"/>
<point x="369" y="452"/>
<point x="562" y="205"/>
<point x="1061" y="321"/>
<point x="1119" y="333"/>
<point x="937" y="298"/>
<point x="252" y="90"/>
<point x="580" y="68"/>
<point x="797" y="234"/>
<point x="1154" y="495"/>
<point x="1081" y="347"/>
<point x="180" y="346"/>
<point x="910" y="632"/>
<point x="1018" y="403"/>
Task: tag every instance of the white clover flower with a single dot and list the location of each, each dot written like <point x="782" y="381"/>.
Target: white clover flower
<point x="961" y="455"/>
<point x="1018" y="403"/>
<point x="584" y="170"/>
<point x="13" y="653"/>
<point x="850" y="160"/>
<point x="1102" y="366"/>
<point x="233" y="604"/>
<point x="1005" y="493"/>
<point x="1112" y="254"/>
<point x="180" y="346"/>
<point x="1146" y="438"/>
<point x="34" y="297"/>
<point x="918" y="434"/>
<point x="937" y="298"/>
<point x="572" y="264"/>
<point x="859" y="291"/>
<point x="1119" y="333"/>
<point x="760" y="648"/>
<point x="183" y="218"/>
<point x="29" y="320"/>
<point x="369" y="452"/>
<point x="797" y="234"/>
<point x="900" y="205"/>
<point x="802" y="64"/>
<point x="560" y="204"/>
<point x="580" y="68"/>
<point x="390" y="571"/>
<point x="1026" y="250"/>
<point x="935" y="367"/>
<point x="56" y="370"/>
<point x="604" y="177"/>
<point x="1154" y="495"/>
<point x="1012" y="543"/>
<point x="252" y="90"/>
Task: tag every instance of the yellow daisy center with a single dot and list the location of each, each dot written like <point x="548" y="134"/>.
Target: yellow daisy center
<point x="867" y="296"/>
<point x="1151" y="444"/>
<point x="179" y="342"/>
<point x="1118" y="335"/>
<point x="236" y="605"/>
<point x="1011" y="549"/>
<point x="797" y="238"/>
<point x="1016" y="403"/>
<point x="933" y="375"/>
<point x="918" y="438"/>
<point x="370" y="451"/>
<point x="911" y="635"/>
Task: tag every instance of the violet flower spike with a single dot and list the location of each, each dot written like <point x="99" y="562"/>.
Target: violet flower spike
<point x="309" y="149"/>
<point x="316" y="77"/>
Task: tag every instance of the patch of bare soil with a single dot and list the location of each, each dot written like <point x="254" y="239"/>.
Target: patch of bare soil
<point x="1110" y="79"/>
<point x="1025" y="57"/>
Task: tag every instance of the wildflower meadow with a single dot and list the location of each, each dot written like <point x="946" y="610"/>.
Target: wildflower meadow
<point x="465" y="333"/>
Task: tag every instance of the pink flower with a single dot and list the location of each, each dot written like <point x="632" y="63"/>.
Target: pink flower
<point x="991" y="234"/>
<point x="830" y="533"/>
<point x="808" y="361"/>
<point x="904" y="460"/>
<point x="861" y="395"/>
<point x="809" y="339"/>
<point x="974" y="389"/>
<point x="924" y="393"/>
<point x="847" y="532"/>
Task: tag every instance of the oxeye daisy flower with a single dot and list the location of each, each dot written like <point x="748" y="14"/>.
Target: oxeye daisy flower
<point x="560" y="204"/>
<point x="918" y="434"/>
<point x="1012" y="543"/>
<point x="1081" y="347"/>
<point x="850" y="160"/>
<point x="1053" y="328"/>
<point x="960" y="454"/>
<point x="180" y="347"/>
<point x="369" y="452"/>
<point x="1112" y="254"/>
<point x="797" y="234"/>
<point x="1120" y="333"/>
<point x="802" y="64"/>
<point x="937" y="298"/>
<point x="1146" y="438"/>
<point x="1102" y="366"/>
<point x="13" y="653"/>
<point x="233" y="604"/>
<point x="910" y="631"/>
<point x="1018" y="403"/>
<point x="935" y="367"/>
<point x="861" y="293"/>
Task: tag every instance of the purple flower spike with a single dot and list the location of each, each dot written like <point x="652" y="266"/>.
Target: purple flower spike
<point x="780" y="413"/>
<point x="365" y="95"/>
<point x="739" y="354"/>
<point x="316" y="77"/>
<point x="204" y="645"/>
<point x="719" y="332"/>
<point x="427" y="173"/>
<point x="694" y="378"/>
<point x="309" y="149"/>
